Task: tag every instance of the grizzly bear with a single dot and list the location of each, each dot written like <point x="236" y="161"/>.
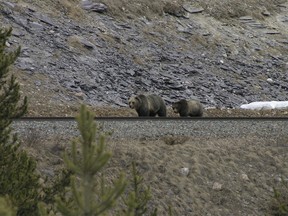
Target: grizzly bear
<point x="192" y="108"/>
<point x="148" y="105"/>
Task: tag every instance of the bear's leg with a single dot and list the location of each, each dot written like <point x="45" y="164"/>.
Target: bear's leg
<point x="153" y="114"/>
<point x="143" y="112"/>
<point x="162" y="113"/>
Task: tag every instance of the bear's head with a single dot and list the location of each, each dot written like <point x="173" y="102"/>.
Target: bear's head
<point x="134" y="102"/>
<point x="176" y="107"/>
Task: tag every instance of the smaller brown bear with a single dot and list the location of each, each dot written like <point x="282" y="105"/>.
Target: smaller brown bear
<point x="186" y="108"/>
<point x="148" y="105"/>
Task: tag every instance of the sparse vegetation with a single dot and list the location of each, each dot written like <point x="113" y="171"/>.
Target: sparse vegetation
<point x="32" y="138"/>
<point x="219" y="9"/>
<point x="70" y="8"/>
<point x="87" y="195"/>
<point x="152" y="9"/>
<point x="135" y="8"/>
<point x="280" y="201"/>
<point x="76" y="44"/>
<point x="126" y="112"/>
<point x="208" y="160"/>
<point x="230" y="9"/>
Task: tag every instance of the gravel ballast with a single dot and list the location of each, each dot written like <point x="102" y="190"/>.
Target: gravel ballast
<point x="162" y="127"/>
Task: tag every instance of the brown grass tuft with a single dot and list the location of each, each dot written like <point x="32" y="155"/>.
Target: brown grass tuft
<point x="174" y="140"/>
<point x="173" y="8"/>
<point x="70" y="8"/>
<point x="75" y="42"/>
<point x="217" y="8"/>
<point x="135" y="8"/>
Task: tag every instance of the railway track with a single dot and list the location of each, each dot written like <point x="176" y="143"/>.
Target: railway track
<point x="155" y="118"/>
<point x="135" y="127"/>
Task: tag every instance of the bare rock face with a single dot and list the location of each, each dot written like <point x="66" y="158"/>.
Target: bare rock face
<point x="106" y="61"/>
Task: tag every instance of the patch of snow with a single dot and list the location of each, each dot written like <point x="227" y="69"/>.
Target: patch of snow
<point x="265" y="105"/>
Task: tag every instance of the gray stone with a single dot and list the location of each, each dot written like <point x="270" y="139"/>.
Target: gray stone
<point x="96" y="7"/>
<point x="36" y="26"/>
<point x="37" y="83"/>
<point x="266" y="13"/>
<point x="245" y="18"/>
<point x="45" y="19"/>
<point x="192" y="9"/>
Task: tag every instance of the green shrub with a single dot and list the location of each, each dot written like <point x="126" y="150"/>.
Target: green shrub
<point x="18" y="180"/>
<point x="139" y="196"/>
<point x="88" y="198"/>
<point x="6" y="207"/>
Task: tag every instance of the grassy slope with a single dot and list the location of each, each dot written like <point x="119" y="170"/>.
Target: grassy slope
<point x="244" y="169"/>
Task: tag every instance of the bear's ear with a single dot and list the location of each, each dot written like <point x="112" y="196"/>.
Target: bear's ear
<point x="182" y="102"/>
<point x="137" y="99"/>
<point x="175" y="105"/>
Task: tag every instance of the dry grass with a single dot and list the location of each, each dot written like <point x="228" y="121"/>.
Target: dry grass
<point x="70" y="8"/>
<point x="232" y="8"/>
<point x="244" y="169"/>
<point x="210" y="161"/>
<point x="219" y="9"/>
<point x="77" y="45"/>
<point x="173" y="8"/>
<point x="135" y="8"/>
<point x="174" y="140"/>
<point x="47" y="151"/>
<point x="63" y="110"/>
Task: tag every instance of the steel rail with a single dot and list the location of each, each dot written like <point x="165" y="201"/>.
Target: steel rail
<point x="40" y="118"/>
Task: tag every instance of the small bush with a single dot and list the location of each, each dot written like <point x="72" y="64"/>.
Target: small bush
<point x="174" y="140"/>
<point x="173" y="8"/>
<point x="32" y="138"/>
<point x="139" y="196"/>
<point x="87" y="197"/>
<point x="280" y="199"/>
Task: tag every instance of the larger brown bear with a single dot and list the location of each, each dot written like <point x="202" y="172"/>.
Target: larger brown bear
<point x="148" y="105"/>
<point x="186" y="108"/>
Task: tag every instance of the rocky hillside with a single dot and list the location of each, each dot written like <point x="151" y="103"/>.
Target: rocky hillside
<point x="74" y="52"/>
